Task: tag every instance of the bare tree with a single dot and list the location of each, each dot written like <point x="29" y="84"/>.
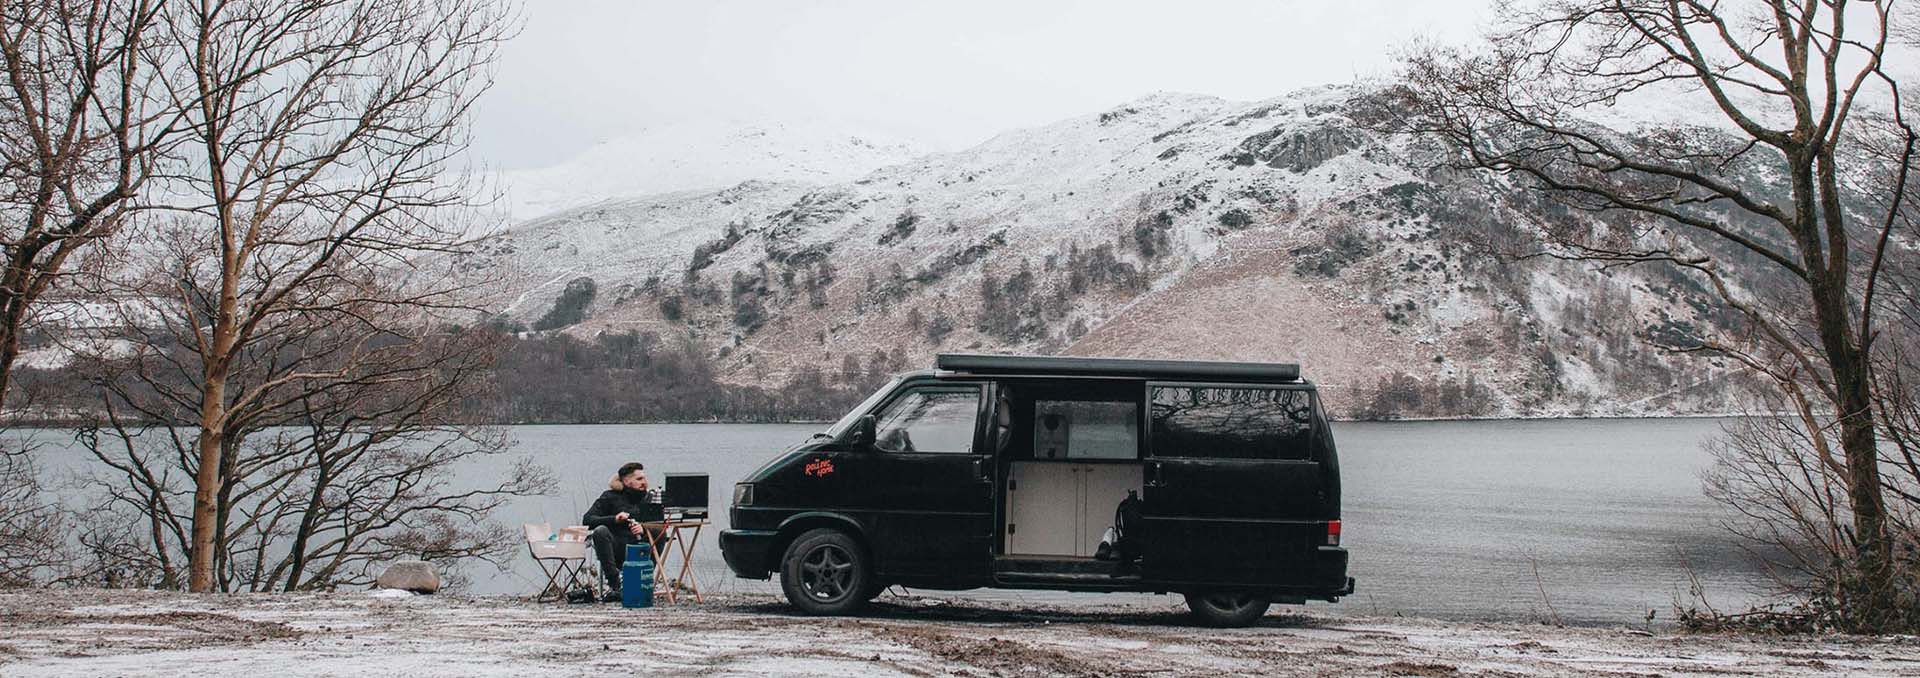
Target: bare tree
<point x="318" y="145"/>
<point x="30" y="524"/>
<point x="1766" y="209"/>
<point x="80" y="130"/>
<point x="1789" y="501"/>
<point x="79" y="133"/>
<point x="359" y="461"/>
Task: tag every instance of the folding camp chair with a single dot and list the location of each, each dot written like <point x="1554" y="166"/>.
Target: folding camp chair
<point x="564" y="557"/>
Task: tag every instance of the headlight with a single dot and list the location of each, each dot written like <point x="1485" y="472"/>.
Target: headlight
<point x="743" y="494"/>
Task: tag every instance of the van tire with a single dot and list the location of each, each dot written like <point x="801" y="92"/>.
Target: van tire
<point x="1226" y="609"/>
<point x="825" y="572"/>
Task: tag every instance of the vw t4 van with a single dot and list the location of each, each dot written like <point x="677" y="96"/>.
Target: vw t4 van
<point x="1214" y="480"/>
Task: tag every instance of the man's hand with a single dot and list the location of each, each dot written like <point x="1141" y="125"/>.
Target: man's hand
<point x="635" y="528"/>
<point x="621" y="517"/>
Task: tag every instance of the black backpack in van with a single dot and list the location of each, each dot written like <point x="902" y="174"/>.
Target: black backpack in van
<point x="1125" y="545"/>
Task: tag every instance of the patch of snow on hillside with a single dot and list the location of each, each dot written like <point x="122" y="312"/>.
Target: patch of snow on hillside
<point x="699" y="155"/>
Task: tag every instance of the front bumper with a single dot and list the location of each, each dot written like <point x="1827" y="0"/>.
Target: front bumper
<point x="746" y="552"/>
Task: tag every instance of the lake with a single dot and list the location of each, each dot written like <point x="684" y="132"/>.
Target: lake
<point x="1443" y="519"/>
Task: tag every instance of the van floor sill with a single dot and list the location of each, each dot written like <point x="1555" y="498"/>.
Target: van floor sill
<point x="1066" y="576"/>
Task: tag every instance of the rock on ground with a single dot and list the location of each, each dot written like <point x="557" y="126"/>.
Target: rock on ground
<point x="133" y="633"/>
<point x="417" y="576"/>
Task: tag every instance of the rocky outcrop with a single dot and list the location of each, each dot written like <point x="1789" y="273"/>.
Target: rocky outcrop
<point x="1295" y="148"/>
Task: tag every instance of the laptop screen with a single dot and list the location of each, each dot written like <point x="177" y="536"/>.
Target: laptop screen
<point x="686" y="491"/>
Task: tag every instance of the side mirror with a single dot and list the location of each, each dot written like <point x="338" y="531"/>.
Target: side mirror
<point x="866" y="435"/>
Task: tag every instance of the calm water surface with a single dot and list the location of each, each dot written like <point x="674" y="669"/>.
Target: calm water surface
<point x="1445" y="519"/>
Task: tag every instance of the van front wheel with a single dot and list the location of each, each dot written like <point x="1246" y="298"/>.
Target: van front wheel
<point x="824" y="572"/>
<point x="1226" y="608"/>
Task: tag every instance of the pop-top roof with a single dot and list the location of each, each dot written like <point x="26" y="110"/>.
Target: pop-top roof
<point x="972" y="363"/>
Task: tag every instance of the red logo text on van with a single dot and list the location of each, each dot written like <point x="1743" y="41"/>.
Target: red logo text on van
<point x="820" y="468"/>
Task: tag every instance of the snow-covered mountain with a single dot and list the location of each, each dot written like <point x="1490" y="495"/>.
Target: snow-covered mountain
<point x="701" y="154"/>
<point x="1174" y="226"/>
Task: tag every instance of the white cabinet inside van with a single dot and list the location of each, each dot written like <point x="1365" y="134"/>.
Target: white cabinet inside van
<point x="1061" y="508"/>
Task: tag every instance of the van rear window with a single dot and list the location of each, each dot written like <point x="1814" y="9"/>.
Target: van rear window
<point x="1231" y="422"/>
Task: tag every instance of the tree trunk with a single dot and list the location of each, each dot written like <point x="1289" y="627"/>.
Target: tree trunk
<point x="9" y="342"/>
<point x="15" y="295"/>
<point x="1860" y="442"/>
<point x="223" y="516"/>
<point x="308" y="524"/>
<point x="207" y="482"/>
<point x="1849" y="358"/>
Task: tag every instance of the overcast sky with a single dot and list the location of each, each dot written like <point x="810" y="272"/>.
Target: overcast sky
<point x="946" y="74"/>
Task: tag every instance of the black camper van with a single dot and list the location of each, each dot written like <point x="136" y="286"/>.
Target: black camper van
<point x="1215" y="480"/>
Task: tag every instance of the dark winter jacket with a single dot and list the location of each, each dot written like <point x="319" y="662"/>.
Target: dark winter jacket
<point x="614" y="502"/>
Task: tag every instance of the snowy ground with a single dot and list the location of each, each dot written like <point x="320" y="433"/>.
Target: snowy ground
<point x="118" y="633"/>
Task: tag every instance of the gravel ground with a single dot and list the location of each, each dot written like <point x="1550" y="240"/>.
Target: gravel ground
<point x="134" y="633"/>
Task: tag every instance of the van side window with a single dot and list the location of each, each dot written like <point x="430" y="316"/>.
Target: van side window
<point x="1231" y="422"/>
<point x="1078" y="429"/>
<point x="929" y="420"/>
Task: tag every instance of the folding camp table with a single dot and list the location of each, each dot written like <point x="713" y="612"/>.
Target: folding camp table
<point x="679" y="535"/>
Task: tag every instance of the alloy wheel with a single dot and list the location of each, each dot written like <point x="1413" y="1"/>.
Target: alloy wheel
<point x="1230" y="601"/>
<point x="826" y="572"/>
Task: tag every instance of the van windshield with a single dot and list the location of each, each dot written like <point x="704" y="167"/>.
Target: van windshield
<point x="852" y="417"/>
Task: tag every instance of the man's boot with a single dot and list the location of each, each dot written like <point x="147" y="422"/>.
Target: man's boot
<point x="613" y="589"/>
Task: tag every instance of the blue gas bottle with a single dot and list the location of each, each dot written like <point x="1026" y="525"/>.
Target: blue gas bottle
<point x="636" y="577"/>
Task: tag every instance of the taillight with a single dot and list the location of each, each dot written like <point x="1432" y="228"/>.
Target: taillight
<point x="1333" y="533"/>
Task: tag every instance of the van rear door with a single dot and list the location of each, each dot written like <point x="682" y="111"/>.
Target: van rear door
<point x="1233" y="494"/>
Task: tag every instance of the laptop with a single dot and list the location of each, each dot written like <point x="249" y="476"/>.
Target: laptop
<point x="686" y="495"/>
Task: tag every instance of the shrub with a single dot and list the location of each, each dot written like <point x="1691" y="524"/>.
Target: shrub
<point x="672" y="307"/>
<point x="939" y="327"/>
<point x="901" y="229"/>
<point x="749" y="300"/>
<point x="1327" y="261"/>
<point x="571" y="307"/>
<point x="1150" y="235"/>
